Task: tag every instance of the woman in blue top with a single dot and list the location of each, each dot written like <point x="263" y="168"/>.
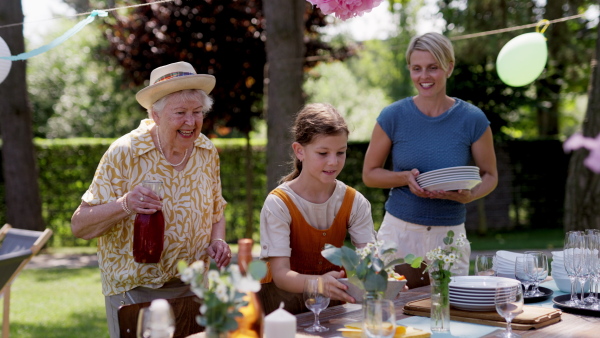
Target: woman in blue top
<point x="426" y="132"/>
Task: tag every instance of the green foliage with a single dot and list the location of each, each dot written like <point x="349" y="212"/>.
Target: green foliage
<point x="77" y="92"/>
<point x="358" y="102"/>
<point x="367" y="268"/>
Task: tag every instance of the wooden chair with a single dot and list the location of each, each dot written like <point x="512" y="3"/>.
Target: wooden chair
<point x="17" y="249"/>
<point x="185" y="309"/>
<point x="414" y="276"/>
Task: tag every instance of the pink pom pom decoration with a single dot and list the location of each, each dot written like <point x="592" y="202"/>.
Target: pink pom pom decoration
<point x="345" y="9"/>
<point x="577" y="141"/>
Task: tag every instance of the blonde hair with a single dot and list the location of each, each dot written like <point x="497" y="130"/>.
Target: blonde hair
<point x="312" y="121"/>
<point x="437" y="44"/>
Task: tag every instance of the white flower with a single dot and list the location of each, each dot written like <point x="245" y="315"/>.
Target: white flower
<point x="447" y="259"/>
<point x="247" y="284"/>
<point x="462" y="236"/>
<point x="460" y="242"/>
<point x="221" y="292"/>
<point x="213" y="275"/>
<point x="203" y="308"/>
<point x="452" y="257"/>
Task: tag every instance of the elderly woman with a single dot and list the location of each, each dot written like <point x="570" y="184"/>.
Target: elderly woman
<point x="168" y="147"/>
<point x="426" y="132"/>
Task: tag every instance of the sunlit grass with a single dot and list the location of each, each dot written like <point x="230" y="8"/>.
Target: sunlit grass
<point x="58" y="302"/>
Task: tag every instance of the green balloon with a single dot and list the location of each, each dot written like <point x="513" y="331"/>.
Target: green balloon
<point x="522" y="59"/>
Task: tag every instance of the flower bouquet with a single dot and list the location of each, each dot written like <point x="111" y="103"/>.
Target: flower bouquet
<point x="369" y="267"/>
<point x="439" y="263"/>
<point x="222" y="292"/>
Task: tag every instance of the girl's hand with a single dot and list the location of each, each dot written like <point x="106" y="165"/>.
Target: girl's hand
<point x="335" y="289"/>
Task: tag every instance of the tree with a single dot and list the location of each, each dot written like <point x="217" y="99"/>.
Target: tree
<point x="582" y="205"/>
<point x="22" y="197"/>
<point x="285" y="55"/>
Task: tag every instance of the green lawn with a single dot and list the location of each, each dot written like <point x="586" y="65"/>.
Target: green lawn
<point x="517" y="240"/>
<point x="61" y="303"/>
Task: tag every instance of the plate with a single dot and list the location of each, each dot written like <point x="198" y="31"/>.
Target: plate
<point x="560" y="302"/>
<point x="435" y="180"/>
<point x="547" y="294"/>
<point x="454" y="169"/>
<point x="486" y="283"/>
<point x="455" y="185"/>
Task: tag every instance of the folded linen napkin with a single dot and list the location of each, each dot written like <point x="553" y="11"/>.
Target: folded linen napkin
<point x="354" y="330"/>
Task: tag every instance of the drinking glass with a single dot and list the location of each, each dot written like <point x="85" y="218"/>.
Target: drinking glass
<point x="316" y="300"/>
<point x="380" y="318"/>
<point x="484" y="265"/>
<point x="541" y="270"/>
<point x="524" y="268"/>
<point x="509" y="303"/>
<point x="593" y="238"/>
<point x="572" y="262"/>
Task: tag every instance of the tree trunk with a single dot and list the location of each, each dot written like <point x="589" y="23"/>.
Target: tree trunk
<point x="22" y="196"/>
<point x="582" y="200"/>
<point x="249" y="189"/>
<point x="285" y="57"/>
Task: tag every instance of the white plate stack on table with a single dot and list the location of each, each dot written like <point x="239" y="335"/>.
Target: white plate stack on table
<point x="475" y="293"/>
<point x="453" y="178"/>
<point x="559" y="274"/>
<point x="505" y="263"/>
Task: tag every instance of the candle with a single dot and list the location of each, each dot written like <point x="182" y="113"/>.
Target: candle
<point x="280" y="324"/>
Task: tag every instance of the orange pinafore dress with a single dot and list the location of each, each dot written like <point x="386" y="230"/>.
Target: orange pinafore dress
<point x="306" y="243"/>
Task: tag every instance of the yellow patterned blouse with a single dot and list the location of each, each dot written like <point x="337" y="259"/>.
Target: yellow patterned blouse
<point x="192" y="203"/>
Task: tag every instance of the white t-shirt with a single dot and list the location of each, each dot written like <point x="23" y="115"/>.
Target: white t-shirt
<point x="275" y="219"/>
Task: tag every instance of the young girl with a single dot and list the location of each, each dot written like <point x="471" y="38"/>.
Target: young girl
<point x="309" y="209"/>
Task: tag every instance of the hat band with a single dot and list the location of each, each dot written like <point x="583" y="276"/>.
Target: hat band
<point x="172" y="75"/>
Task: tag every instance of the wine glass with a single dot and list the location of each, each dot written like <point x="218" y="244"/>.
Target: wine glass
<point x="524" y="267"/>
<point x="541" y="270"/>
<point x="316" y="300"/>
<point x="484" y="265"/>
<point x="380" y="318"/>
<point x="509" y="303"/>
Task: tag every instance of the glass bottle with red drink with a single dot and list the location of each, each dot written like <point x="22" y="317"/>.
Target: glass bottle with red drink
<point x="149" y="230"/>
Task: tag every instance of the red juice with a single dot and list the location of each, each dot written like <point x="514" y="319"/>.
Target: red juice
<point x="148" y="237"/>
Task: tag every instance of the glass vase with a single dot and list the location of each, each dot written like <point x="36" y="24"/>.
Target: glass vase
<point x="212" y="332"/>
<point x="440" y="306"/>
<point x="369" y="295"/>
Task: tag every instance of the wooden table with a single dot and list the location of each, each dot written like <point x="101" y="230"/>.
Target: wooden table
<point x="335" y="317"/>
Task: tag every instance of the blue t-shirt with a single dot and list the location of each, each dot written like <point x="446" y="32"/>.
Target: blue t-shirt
<point x="429" y="143"/>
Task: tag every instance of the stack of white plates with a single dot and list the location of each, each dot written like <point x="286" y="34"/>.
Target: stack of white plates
<point x="475" y="293"/>
<point x="504" y="265"/>
<point x="453" y="178"/>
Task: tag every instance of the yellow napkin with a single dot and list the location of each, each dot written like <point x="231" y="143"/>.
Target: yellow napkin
<point x="354" y="330"/>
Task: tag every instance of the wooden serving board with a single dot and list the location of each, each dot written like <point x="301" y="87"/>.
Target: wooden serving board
<point x="533" y="317"/>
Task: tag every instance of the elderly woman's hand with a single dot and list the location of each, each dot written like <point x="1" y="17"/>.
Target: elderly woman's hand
<point x="143" y="200"/>
<point x="219" y="251"/>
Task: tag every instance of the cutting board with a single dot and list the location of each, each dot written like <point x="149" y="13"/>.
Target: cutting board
<point x="533" y="317"/>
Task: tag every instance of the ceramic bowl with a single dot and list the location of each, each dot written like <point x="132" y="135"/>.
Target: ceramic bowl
<point x="564" y="285"/>
<point x="393" y="289"/>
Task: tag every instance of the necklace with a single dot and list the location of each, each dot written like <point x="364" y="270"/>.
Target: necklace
<point x="163" y="154"/>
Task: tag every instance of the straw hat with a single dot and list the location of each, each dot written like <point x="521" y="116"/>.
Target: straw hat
<point x="172" y="78"/>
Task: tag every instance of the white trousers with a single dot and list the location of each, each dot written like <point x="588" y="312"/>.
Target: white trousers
<point x="411" y="238"/>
